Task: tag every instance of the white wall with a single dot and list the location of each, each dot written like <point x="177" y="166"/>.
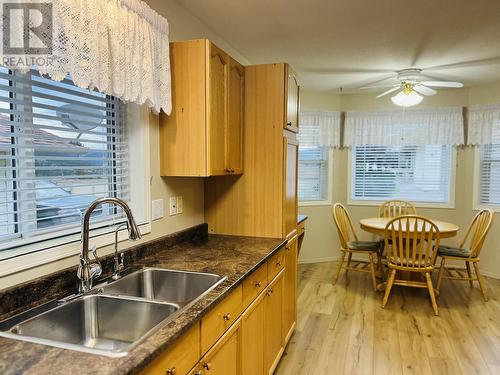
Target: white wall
<point x="321" y="242"/>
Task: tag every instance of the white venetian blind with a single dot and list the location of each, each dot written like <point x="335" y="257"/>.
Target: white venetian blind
<point x="318" y="132"/>
<point x="416" y="173"/>
<point x="61" y="147"/>
<point x="489" y="175"/>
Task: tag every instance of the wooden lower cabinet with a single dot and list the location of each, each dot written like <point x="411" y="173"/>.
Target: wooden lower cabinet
<point x="253" y="337"/>
<point x="230" y="342"/>
<point x="273" y="324"/>
<point x="224" y="358"/>
<point x="180" y="358"/>
<point x="290" y="289"/>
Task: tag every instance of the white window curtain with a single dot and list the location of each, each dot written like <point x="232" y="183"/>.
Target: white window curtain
<point x="119" y="47"/>
<point x="484" y="125"/>
<point x="319" y="128"/>
<point x="443" y="126"/>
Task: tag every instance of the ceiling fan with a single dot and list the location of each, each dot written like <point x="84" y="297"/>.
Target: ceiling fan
<point x="411" y="87"/>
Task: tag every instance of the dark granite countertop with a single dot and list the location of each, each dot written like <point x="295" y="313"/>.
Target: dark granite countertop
<point x="231" y="256"/>
<point x="301" y="218"/>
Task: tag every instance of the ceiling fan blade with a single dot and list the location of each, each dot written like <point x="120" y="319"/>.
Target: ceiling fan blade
<point x="379" y="86"/>
<point x="442" y="84"/>
<point x="388" y="91"/>
<point x="427" y="91"/>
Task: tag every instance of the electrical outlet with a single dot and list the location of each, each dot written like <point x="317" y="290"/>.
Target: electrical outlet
<point x="179" y="205"/>
<point x="157" y="209"/>
<point x="173" y="206"/>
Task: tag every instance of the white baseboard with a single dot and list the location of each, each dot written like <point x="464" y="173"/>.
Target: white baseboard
<point x="492" y="275"/>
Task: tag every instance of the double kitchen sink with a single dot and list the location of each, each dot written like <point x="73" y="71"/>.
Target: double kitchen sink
<point x="113" y="317"/>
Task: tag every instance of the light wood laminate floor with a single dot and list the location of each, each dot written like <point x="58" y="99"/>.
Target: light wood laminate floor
<point x="343" y="329"/>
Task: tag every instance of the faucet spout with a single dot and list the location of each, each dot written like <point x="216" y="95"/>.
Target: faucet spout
<point x="88" y="269"/>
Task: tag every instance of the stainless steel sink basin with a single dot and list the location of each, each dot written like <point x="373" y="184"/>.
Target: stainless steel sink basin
<point x="113" y="317"/>
<point x="94" y="323"/>
<point x="179" y="287"/>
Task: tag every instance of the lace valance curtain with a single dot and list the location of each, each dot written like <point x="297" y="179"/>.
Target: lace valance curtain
<point x="443" y="126"/>
<point x="319" y="128"/>
<point x="484" y="124"/>
<point x="119" y="47"/>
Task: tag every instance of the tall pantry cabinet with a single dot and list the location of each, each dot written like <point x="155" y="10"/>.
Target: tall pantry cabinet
<point x="262" y="201"/>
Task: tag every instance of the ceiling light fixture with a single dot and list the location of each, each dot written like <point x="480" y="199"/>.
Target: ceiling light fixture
<point x="407" y="97"/>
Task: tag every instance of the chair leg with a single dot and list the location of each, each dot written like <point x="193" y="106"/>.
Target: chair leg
<point x="372" y="268"/>
<point x="348" y="264"/>
<point x="339" y="268"/>
<point x="469" y="273"/>
<point x="480" y="281"/>
<point x="440" y="274"/>
<point x="431" y="292"/>
<point x="388" y="287"/>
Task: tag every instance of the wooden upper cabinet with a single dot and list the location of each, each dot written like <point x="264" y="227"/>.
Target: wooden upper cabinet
<point x="234" y="138"/>
<point x="200" y="137"/>
<point x="292" y="100"/>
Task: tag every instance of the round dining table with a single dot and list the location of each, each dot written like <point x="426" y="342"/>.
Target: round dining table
<point x="376" y="225"/>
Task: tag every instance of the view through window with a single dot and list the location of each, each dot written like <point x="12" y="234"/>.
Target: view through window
<point x="61" y="147"/>
<point x="415" y="173"/>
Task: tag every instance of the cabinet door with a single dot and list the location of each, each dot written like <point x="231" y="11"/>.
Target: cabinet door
<point x="290" y="290"/>
<point x="292" y="100"/>
<point x="273" y="344"/>
<point x="234" y="136"/>
<point x="224" y="358"/>
<point x="217" y="86"/>
<point x="252" y="337"/>
<point x="290" y="211"/>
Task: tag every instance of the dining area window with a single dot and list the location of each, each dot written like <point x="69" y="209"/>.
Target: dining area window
<point x="417" y="173"/>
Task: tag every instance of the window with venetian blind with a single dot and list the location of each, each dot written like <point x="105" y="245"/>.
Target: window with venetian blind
<point x="415" y="173"/>
<point x="319" y="132"/>
<point x="61" y="147"/>
<point x="489" y="175"/>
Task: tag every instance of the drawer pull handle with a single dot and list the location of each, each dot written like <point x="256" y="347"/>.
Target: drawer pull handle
<point x="278" y="263"/>
<point x="258" y="284"/>
<point x="226" y="317"/>
<point x="171" y="371"/>
<point x="269" y="292"/>
<point x="207" y="366"/>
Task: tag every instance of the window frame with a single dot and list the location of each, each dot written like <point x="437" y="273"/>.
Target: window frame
<point x="476" y="188"/>
<point x="328" y="201"/>
<point x="370" y="203"/>
<point x="50" y="250"/>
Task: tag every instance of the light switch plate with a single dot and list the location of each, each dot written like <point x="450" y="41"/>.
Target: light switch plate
<point x="173" y="206"/>
<point x="179" y="205"/>
<point x="157" y="209"/>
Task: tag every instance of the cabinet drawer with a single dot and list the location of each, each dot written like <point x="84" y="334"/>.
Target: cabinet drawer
<point x="254" y="284"/>
<point x="181" y="357"/>
<point x="217" y="321"/>
<point x="275" y="264"/>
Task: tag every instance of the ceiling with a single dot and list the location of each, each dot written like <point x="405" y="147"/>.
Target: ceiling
<point x="334" y="44"/>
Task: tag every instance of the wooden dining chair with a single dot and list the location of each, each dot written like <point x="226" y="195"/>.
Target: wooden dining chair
<point x="467" y="251"/>
<point x="415" y="243"/>
<point x="350" y="244"/>
<point x="395" y="208"/>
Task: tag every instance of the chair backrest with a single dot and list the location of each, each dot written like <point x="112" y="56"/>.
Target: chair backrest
<point x="415" y="242"/>
<point x="395" y="208"/>
<point x="344" y="225"/>
<point x="477" y="231"/>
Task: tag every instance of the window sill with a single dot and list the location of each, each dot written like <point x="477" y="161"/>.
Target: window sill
<point x="40" y="258"/>
<point x="351" y="202"/>
<point x="315" y="203"/>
